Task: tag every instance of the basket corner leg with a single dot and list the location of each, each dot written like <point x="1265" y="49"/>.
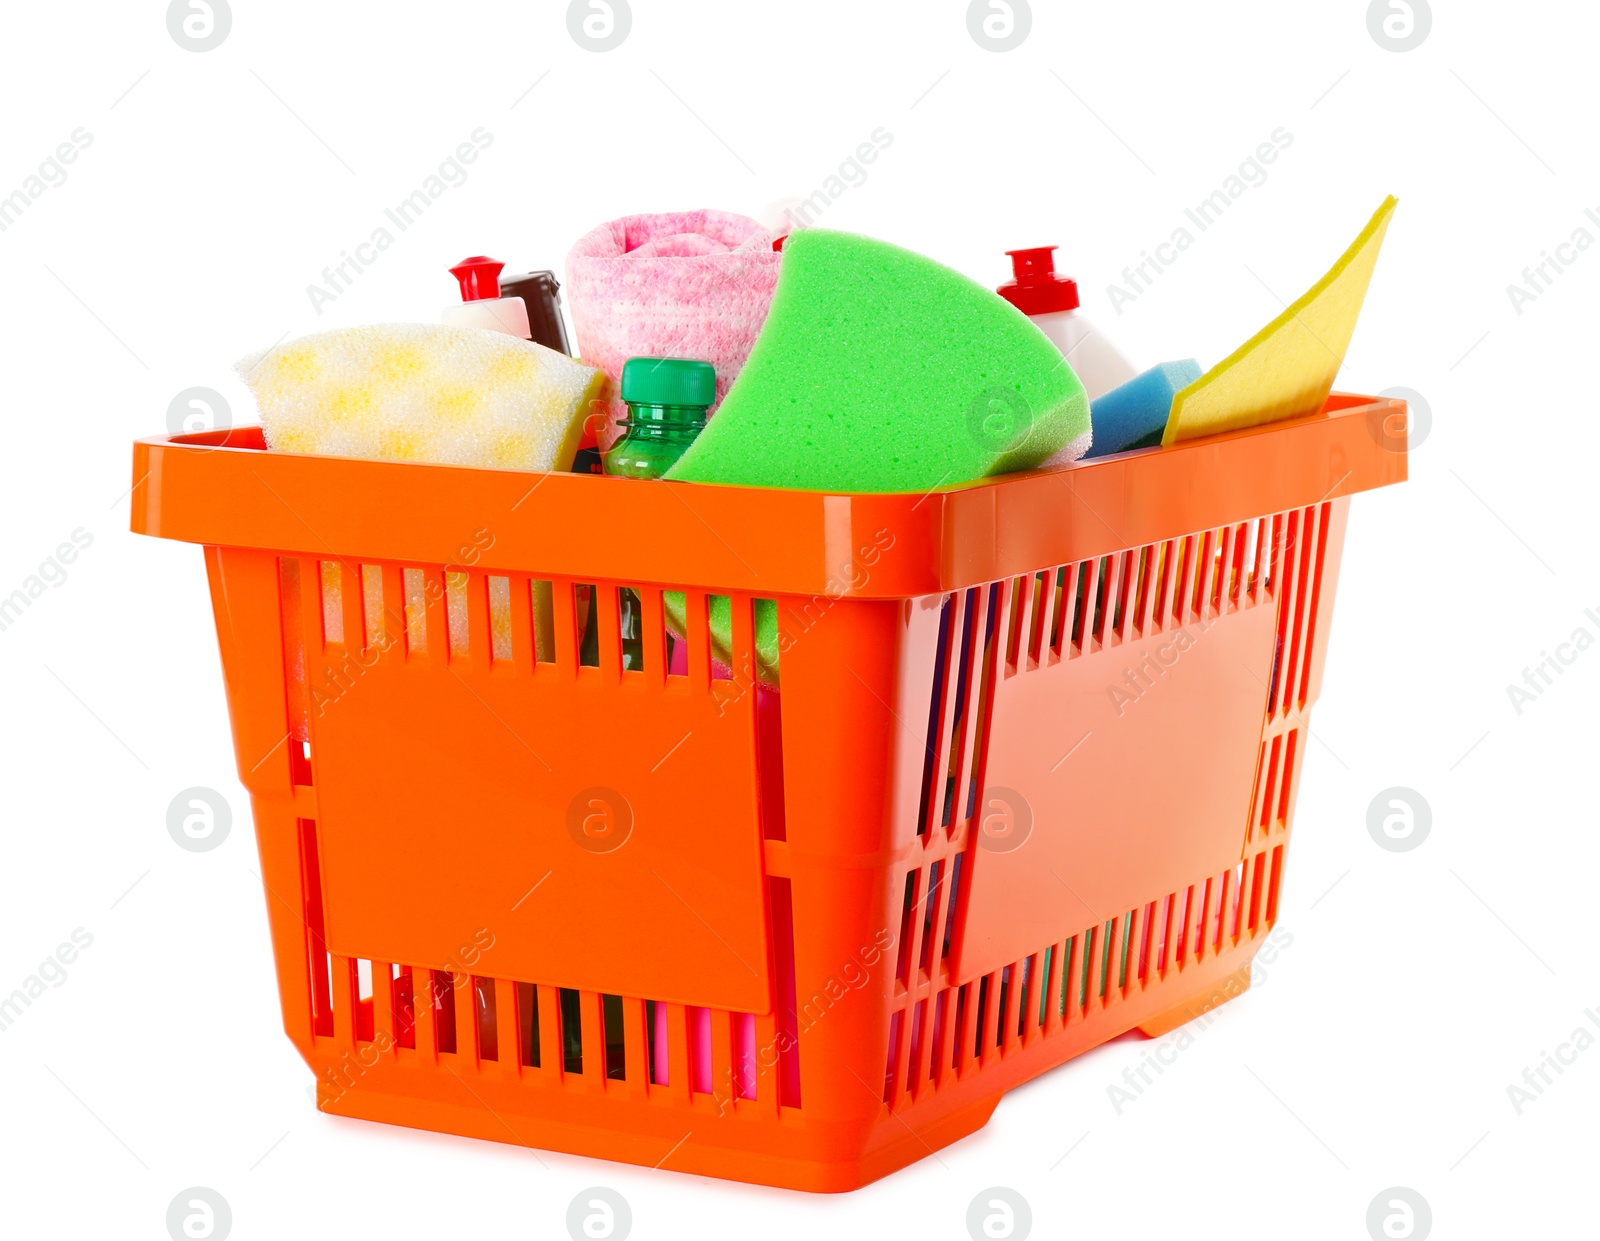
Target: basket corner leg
<point x="1198" y="1004"/>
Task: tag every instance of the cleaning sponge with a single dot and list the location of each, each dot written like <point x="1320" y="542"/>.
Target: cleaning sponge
<point x="1134" y="414"/>
<point x="1288" y="367"/>
<point x="416" y="392"/>
<point x="719" y="618"/>
<point x="881" y="370"/>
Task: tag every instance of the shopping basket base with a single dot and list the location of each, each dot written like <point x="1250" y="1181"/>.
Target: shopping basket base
<point x="803" y="1171"/>
<point x="1229" y="988"/>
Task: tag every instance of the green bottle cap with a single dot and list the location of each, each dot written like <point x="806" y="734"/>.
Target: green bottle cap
<point x="668" y="381"/>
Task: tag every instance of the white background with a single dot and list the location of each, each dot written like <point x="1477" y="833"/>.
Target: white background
<point x="1378" y="1049"/>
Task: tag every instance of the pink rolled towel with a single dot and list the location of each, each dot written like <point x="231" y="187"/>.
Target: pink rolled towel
<point x="684" y="284"/>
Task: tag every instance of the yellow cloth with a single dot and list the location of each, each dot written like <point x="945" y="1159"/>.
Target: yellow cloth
<point x="1288" y="367"/>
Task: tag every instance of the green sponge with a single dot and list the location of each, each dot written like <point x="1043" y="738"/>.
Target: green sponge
<point x="719" y="617"/>
<point x="881" y="370"/>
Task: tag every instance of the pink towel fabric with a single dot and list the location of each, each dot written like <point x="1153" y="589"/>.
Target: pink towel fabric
<point x="684" y="284"/>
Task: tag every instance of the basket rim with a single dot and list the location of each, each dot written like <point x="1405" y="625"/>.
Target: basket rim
<point x="725" y="539"/>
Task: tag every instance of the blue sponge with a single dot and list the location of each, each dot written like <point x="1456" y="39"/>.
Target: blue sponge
<point x="1135" y="415"/>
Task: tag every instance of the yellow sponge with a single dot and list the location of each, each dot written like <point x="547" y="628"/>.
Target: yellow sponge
<point x="419" y="392"/>
<point x="1288" y="367"/>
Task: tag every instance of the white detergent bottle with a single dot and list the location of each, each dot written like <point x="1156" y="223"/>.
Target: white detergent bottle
<point x="1051" y="301"/>
<point x="481" y="304"/>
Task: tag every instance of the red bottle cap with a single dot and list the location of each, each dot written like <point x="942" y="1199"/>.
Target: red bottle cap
<point x="1035" y="288"/>
<point x="479" y="277"/>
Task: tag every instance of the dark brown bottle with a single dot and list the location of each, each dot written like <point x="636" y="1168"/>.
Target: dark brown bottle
<point x="542" y="293"/>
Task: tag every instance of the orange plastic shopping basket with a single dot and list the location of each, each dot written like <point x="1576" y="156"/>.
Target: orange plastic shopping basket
<point x="1027" y="782"/>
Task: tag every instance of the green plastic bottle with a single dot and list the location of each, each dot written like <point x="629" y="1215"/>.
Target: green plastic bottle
<point x="667" y="400"/>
